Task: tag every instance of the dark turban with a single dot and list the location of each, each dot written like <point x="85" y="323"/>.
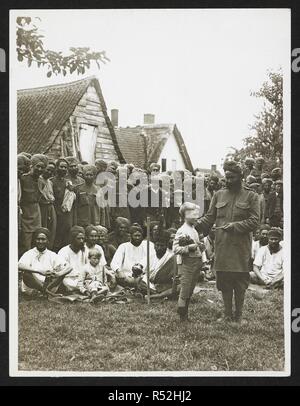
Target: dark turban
<point x="267" y="180"/>
<point x="250" y="179"/>
<point x="72" y="160"/>
<point x="40" y="230"/>
<point x="275" y="232"/>
<point x="89" y="229"/>
<point x="232" y="166"/>
<point x="23" y="160"/>
<point x="75" y="230"/>
<point x="122" y="221"/>
<point x="26" y="154"/>
<point x="163" y="237"/>
<point x="37" y="158"/>
<point x="264" y="227"/>
<point x="254" y="185"/>
<point x="249" y="161"/>
<point x="100" y="165"/>
<point x="89" y="168"/>
<point x="59" y="160"/>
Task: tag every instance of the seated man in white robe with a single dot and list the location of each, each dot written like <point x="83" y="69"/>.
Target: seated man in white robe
<point x="268" y="265"/>
<point x="130" y="254"/>
<point x="163" y="270"/>
<point x="42" y="270"/>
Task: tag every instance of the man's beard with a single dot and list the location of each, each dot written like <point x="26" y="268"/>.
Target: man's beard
<point x="263" y="241"/>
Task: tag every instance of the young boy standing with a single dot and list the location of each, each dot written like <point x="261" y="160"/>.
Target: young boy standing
<point x="187" y="247"/>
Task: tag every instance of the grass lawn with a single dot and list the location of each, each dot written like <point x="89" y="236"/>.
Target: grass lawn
<point x="138" y="337"/>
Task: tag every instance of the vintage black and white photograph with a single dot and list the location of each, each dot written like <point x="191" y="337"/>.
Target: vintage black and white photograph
<point x="150" y="192"/>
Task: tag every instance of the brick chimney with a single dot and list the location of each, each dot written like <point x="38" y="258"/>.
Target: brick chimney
<point x="114" y="114"/>
<point x="149" y="118"/>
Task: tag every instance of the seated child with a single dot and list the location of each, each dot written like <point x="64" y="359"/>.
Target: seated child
<point x="93" y="279"/>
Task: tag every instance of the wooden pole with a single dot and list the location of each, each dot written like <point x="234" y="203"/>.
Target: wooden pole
<point x="148" y="260"/>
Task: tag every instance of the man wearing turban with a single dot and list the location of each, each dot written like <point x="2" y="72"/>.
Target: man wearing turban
<point x="87" y="208"/>
<point x="268" y="265"/>
<point x="131" y="254"/>
<point x="235" y="211"/>
<point x="29" y="201"/>
<point x="275" y="205"/>
<point x="249" y="165"/>
<point x="42" y="270"/>
<point x="61" y="186"/>
<point x="75" y="255"/>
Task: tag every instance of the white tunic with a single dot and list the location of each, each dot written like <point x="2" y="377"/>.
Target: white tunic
<point x="128" y="255"/>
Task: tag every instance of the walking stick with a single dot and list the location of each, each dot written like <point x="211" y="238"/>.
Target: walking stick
<point x="148" y="260"/>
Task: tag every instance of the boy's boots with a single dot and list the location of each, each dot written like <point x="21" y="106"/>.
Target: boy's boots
<point x="239" y="297"/>
<point x="183" y="311"/>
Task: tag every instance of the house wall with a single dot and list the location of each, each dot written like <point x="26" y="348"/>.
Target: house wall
<point x="171" y="153"/>
<point x="88" y="111"/>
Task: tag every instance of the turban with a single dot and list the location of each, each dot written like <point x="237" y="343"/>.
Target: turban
<point x="72" y="160"/>
<point x="23" y="160"/>
<point x="163" y="237"/>
<point x="249" y="161"/>
<point x="267" y="180"/>
<point x="101" y="165"/>
<point x="102" y="229"/>
<point x="89" y="229"/>
<point x="89" y="168"/>
<point x="232" y="166"/>
<point x="122" y="221"/>
<point x="276" y="170"/>
<point x="154" y="166"/>
<point x="278" y="182"/>
<point x="39" y="158"/>
<point x="260" y="159"/>
<point x="171" y="231"/>
<point x="265" y="175"/>
<point x="136" y="228"/>
<point x="40" y="230"/>
<point x="214" y="178"/>
<point x="75" y="230"/>
<point x="26" y="154"/>
<point x="264" y="227"/>
<point x="254" y="185"/>
<point x="275" y="232"/>
<point x="59" y="160"/>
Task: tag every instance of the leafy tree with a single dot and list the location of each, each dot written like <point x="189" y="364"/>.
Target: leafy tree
<point x="30" y="48"/>
<point x="267" y="140"/>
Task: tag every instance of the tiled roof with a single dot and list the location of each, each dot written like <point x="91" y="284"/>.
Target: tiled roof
<point x="132" y="145"/>
<point x="142" y="145"/>
<point x="43" y="111"/>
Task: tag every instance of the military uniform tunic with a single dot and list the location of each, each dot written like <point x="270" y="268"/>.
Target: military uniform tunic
<point x="232" y="248"/>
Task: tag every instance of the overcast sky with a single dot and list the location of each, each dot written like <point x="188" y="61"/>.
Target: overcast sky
<point x="195" y="68"/>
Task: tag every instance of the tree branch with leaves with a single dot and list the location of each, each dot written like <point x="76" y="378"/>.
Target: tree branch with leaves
<point x="267" y="140"/>
<point x="31" y="49"/>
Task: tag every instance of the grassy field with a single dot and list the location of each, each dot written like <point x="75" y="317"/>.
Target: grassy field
<point x="136" y="337"/>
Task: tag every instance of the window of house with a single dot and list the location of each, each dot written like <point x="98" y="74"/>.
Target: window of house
<point x="163" y="164"/>
<point x="87" y="142"/>
<point x="174" y="164"/>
